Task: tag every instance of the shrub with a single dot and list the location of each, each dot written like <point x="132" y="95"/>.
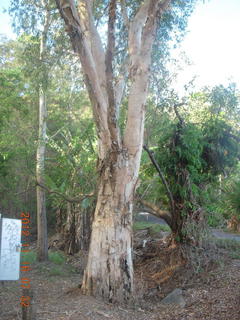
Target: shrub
<point x="30" y="257"/>
<point x="57" y="257"/>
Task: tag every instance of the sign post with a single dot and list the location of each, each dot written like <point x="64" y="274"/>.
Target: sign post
<point x="10" y="248"/>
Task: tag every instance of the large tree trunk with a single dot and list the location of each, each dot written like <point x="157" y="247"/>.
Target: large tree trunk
<point x="42" y="239"/>
<point x="109" y="271"/>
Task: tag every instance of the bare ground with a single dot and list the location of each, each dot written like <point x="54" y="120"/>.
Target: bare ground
<point x="211" y="294"/>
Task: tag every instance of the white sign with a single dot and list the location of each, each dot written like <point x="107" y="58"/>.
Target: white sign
<point x="10" y="248"/>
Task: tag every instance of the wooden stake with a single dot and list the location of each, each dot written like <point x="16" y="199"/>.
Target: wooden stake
<point x="28" y="304"/>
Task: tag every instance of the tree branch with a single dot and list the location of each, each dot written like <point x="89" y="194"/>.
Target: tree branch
<point x="87" y="44"/>
<point x="164" y="181"/>
<point x="135" y="31"/>
<point x="95" y="40"/>
<point x="143" y="27"/>
<point x="141" y="37"/>
<point x="165" y="215"/>
<point x="112" y="110"/>
<point x="175" y="106"/>
<point x="65" y="197"/>
<point x="120" y="85"/>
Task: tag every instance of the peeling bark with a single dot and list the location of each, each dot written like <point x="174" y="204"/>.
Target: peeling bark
<point x="109" y="271"/>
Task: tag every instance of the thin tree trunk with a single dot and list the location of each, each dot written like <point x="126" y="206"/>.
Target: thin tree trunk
<point x="84" y="220"/>
<point x="42" y="239"/>
<point x="77" y="230"/>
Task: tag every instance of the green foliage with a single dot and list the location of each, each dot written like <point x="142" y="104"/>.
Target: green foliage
<point x="221" y="149"/>
<point x="224" y="100"/>
<point x="215" y="215"/>
<point x="71" y="146"/>
<point x="193" y="153"/>
<point x="56" y="266"/>
<point x="181" y="153"/>
<point x="54" y="256"/>
<point x="30" y="257"/>
<point x="17" y="116"/>
<point x="11" y="92"/>
<point x="231" y="198"/>
<point x="57" y="257"/>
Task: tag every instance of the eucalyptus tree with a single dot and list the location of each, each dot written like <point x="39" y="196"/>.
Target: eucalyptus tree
<point x="37" y="21"/>
<point x="42" y="244"/>
<point x="116" y="64"/>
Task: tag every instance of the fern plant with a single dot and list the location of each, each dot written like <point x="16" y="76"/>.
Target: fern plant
<point x="231" y="199"/>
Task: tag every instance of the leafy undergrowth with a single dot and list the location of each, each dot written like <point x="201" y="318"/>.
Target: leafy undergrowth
<point x="55" y="266"/>
<point x="57" y="257"/>
<point x="211" y="291"/>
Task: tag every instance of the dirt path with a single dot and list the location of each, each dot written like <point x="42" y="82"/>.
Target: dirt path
<point x="225" y="235"/>
<point x="218" y="233"/>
